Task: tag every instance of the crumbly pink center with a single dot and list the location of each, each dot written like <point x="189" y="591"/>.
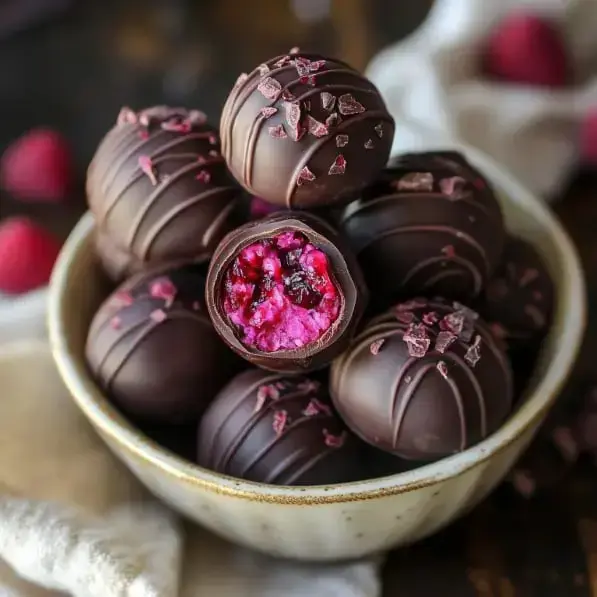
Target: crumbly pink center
<point x="279" y="293"/>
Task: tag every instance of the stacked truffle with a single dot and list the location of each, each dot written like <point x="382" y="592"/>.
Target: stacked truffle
<point x="301" y="346"/>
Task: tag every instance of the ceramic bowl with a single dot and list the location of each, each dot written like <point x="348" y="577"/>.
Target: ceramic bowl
<point x="344" y="521"/>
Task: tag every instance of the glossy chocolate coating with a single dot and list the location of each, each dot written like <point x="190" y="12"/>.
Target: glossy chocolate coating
<point x="518" y="300"/>
<point x="117" y="263"/>
<point x="159" y="188"/>
<point x="153" y="350"/>
<point x="423" y="381"/>
<point x="303" y="131"/>
<point x="431" y="225"/>
<point x="346" y="274"/>
<point x="270" y="428"/>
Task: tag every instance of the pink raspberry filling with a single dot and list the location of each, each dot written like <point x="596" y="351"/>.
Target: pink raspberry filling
<point x="279" y="293"/>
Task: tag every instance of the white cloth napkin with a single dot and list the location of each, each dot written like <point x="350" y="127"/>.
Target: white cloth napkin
<point x="432" y="77"/>
<point x="74" y="521"/>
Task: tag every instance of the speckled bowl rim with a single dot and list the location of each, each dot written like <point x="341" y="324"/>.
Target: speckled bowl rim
<point x="569" y="324"/>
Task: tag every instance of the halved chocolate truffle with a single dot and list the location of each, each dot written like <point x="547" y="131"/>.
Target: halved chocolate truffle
<point x="159" y="188"/>
<point x="270" y="428"/>
<point x="152" y="348"/>
<point x="423" y="381"/>
<point x="284" y="293"/>
<point x="518" y="300"/>
<point x="431" y="225"/>
<point x="303" y="131"/>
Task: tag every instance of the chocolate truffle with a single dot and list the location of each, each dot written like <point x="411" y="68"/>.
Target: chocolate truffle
<point x="431" y="225"/>
<point x="284" y="293"/>
<point x="117" y="263"/>
<point x="303" y="131"/>
<point x="518" y="300"/>
<point x="423" y="381"/>
<point x="153" y="350"/>
<point x="270" y="428"/>
<point x="159" y="188"/>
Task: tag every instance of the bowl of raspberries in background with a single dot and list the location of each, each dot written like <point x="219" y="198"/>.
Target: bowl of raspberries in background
<point x="308" y="346"/>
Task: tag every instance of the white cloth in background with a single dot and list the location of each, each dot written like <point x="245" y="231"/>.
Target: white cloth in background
<point x="432" y="78"/>
<point x="74" y="521"/>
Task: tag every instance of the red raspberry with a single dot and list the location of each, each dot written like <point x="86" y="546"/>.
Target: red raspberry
<point x="527" y="49"/>
<point x="27" y="255"/>
<point x="37" y="167"/>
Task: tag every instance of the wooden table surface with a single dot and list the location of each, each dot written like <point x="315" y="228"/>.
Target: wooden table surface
<point x="76" y="73"/>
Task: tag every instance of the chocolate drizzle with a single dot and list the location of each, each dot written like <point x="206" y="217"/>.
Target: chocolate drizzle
<point x="307" y="100"/>
<point x="274" y="429"/>
<point x="130" y="346"/>
<point x="426" y="228"/>
<point x="159" y="188"/>
<point x="418" y="397"/>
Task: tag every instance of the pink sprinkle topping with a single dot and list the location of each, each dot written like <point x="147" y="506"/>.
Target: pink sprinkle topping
<point x="442" y="368"/>
<point x="308" y="80"/>
<point x="316" y="407"/>
<point x="146" y="166"/>
<point x="453" y="187"/>
<point x="268" y="111"/>
<point x="452" y="322"/>
<point x="288" y="96"/>
<point x="375" y="346"/>
<point x="348" y="105"/>
<point x="430" y="318"/>
<point x="316" y="128"/>
<point x="196" y="306"/>
<point x="417" y="340"/>
<point x="293" y="118"/>
<point x="269" y="88"/>
<point x="305" y="175"/>
<point x="277" y="132"/>
<point x="263" y="69"/>
<point x="529" y="275"/>
<point x="302" y="66"/>
<point x="143" y="134"/>
<point x="282" y="62"/>
<point x="378" y="128"/>
<point x="444" y="340"/>
<point x="176" y="125"/>
<point x="341" y="140"/>
<point x="126" y="116"/>
<point x="121" y="299"/>
<point x="449" y="251"/>
<point x="203" y="176"/>
<point x="241" y="79"/>
<point x="279" y="293"/>
<point x="280" y="421"/>
<point x="333" y="120"/>
<point x="415" y="181"/>
<point x="115" y="323"/>
<point x="158" y="315"/>
<point x="405" y="316"/>
<point x="201" y="159"/>
<point x="213" y="139"/>
<point x="212" y="153"/>
<point x="339" y="166"/>
<point x="334" y="441"/>
<point x="328" y="101"/>
<point x="316" y="65"/>
<point x="197" y="117"/>
<point x="294" y="50"/>
<point x="473" y="352"/>
<point x="369" y="144"/>
<point x="265" y="393"/>
<point x="162" y="288"/>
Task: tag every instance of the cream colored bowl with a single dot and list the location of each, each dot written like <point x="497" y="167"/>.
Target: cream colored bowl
<point x="339" y="521"/>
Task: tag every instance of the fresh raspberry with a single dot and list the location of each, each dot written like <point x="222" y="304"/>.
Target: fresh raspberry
<point x="27" y="255"/>
<point x="529" y="50"/>
<point x="37" y="167"/>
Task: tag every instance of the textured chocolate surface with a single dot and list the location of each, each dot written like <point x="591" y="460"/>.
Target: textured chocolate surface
<point x="159" y="188"/>
<point x="270" y="428"/>
<point x="152" y="348"/>
<point x="345" y="272"/>
<point x="518" y="300"/>
<point x="303" y="131"/>
<point x="423" y="381"/>
<point x="430" y="225"/>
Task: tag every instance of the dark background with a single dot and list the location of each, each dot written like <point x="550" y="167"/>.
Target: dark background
<point x="75" y="69"/>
